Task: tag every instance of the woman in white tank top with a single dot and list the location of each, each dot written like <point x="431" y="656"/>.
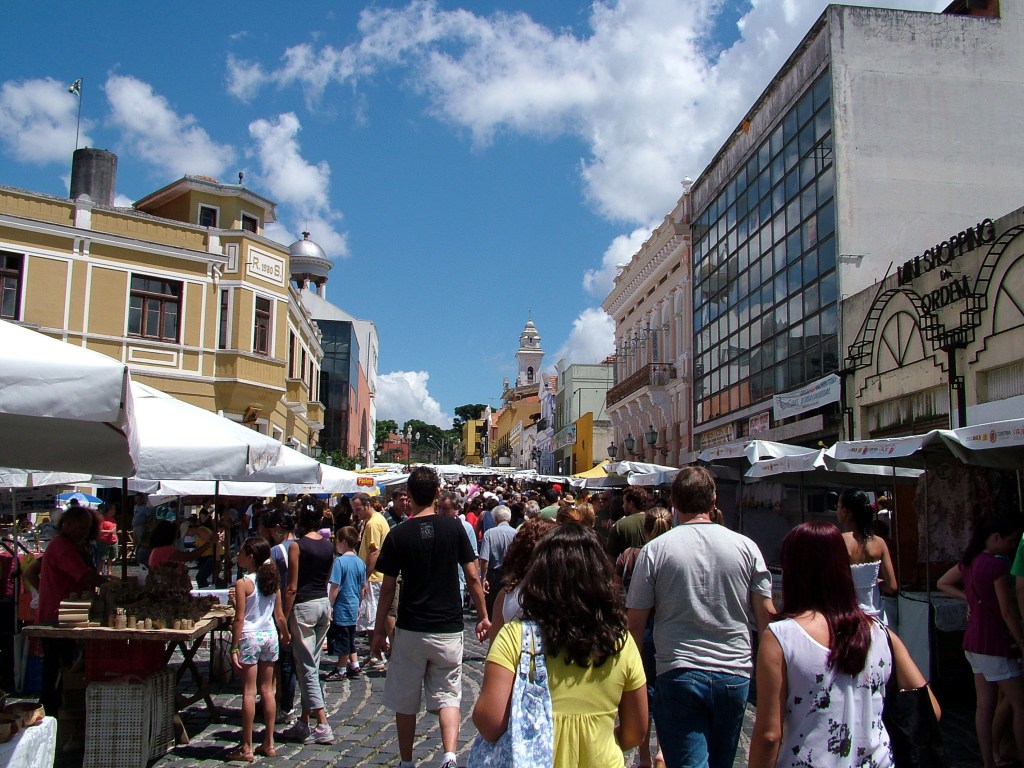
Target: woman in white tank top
<point x="870" y="563"/>
<point x="822" y="668"/>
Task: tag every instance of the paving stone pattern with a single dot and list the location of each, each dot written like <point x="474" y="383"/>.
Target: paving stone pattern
<point x="365" y="734"/>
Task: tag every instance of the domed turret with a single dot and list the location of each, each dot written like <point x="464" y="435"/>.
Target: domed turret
<point x="309" y="264"/>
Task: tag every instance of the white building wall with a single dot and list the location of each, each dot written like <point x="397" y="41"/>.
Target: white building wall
<point x="927" y="119"/>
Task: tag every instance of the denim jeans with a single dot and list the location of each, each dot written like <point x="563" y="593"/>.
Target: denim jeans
<point x="309" y="623"/>
<point x="286" y="680"/>
<point x="698" y="716"/>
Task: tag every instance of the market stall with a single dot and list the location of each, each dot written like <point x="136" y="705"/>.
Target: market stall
<point x="943" y="455"/>
<point x="129" y="633"/>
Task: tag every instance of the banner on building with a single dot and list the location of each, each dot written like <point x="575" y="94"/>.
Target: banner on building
<point x="808" y="398"/>
<point x="758" y="425"/>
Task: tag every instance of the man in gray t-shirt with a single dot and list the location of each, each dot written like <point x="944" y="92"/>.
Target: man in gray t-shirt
<point x="709" y="588"/>
<point x="493" y="546"/>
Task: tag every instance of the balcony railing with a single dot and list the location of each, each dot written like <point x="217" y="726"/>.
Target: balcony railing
<point x="651" y="375"/>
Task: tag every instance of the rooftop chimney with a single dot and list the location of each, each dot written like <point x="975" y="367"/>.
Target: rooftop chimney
<point x="94" y="173"/>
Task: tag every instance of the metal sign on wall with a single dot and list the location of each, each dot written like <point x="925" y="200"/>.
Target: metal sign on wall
<point x="565" y="436"/>
<point x="718" y="436"/>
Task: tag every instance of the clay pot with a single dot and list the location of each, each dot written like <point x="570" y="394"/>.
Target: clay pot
<point x="27" y="712"/>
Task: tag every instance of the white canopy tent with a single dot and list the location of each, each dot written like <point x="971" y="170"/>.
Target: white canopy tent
<point x="998" y="445"/>
<point x="179" y="441"/>
<point x="818" y="467"/>
<point x="63" y="407"/>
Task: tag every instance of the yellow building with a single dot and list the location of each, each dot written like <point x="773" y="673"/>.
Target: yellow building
<point x="183" y="287"/>
<point x="474" y="440"/>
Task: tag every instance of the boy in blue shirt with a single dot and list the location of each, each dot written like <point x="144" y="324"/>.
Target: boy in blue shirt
<point x="346" y="584"/>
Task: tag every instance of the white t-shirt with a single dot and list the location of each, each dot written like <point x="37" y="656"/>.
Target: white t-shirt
<point x="699" y="578"/>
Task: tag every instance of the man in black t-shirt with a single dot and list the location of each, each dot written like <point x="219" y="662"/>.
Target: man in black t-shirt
<point x="426" y="551"/>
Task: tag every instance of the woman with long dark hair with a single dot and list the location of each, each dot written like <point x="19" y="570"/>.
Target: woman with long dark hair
<point x="870" y="562"/>
<point x="308" y="611"/>
<point x="594" y="669"/>
<point x="982" y="578"/>
<point x="822" y="666"/>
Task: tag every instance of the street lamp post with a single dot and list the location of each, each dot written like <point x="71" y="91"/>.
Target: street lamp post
<point x="651" y="438"/>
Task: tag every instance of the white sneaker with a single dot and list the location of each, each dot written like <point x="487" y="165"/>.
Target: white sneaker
<point x="322" y="734"/>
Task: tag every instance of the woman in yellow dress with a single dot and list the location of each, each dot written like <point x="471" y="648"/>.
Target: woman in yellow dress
<point x="593" y="665"/>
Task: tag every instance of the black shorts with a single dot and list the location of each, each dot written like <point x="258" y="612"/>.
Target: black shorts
<point x="341" y="640"/>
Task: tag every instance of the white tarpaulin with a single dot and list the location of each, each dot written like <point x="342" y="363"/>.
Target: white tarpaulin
<point x="818" y="467"/>
<point x="178" y="441"/>
<point x="999" y="445"/>
<point x="751" y="450"/>
<point x="63" y="408"/>
<point x="29" y="478"/>
<point x="292" y="467"/>
<point x="213" y="487"/>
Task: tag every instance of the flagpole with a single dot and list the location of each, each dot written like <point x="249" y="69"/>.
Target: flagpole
<point x="78" y="125"/>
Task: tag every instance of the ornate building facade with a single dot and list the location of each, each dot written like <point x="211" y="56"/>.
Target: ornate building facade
<point x="183" y="287"/>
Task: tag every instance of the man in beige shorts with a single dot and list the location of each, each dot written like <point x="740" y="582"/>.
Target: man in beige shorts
<point x="426" y="551"/>
<point x="375" y="531"/>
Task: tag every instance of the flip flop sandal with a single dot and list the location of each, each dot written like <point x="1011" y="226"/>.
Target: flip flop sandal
<point x="239" y="755"/>
<point x="265" y="752"/>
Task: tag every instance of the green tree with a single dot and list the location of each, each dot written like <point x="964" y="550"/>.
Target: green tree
<point x="338" y="459"/>
<point x="464" y="413"/>
<point x="385" y="427"/>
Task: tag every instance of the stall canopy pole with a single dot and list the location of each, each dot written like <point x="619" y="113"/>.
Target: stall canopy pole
<point x="894" y="529"/>
<point x="927" y="536"/>
<point x="216" y="534"/>
<point x="123" y="538"/>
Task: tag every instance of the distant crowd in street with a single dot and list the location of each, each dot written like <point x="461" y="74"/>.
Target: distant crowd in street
<point x="643" y="608"/>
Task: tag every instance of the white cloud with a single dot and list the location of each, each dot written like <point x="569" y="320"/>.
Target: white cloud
<point x="37" y="121"/>
<point x="403" y="395"/>
<point x="300" y="187"/>
<point x="592" y="338"/>
<point x="646" y="89"/>
<point x="598" y="282"/>
<point x="244" y="78"/>
<point x="154" y="132"/>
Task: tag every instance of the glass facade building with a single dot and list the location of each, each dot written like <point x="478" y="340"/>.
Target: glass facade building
<point x="764" y="267"/>
<point x="339" y="374"/>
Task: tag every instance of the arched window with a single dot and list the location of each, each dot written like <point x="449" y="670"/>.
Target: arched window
<point x="529" y="375"/>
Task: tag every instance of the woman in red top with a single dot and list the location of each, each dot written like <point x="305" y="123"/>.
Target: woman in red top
<point x="982" y="578"/>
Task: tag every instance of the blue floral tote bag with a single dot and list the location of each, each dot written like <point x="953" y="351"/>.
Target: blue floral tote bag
<point x="529" y="741"/>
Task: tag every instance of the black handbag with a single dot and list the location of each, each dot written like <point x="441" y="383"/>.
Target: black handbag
<point x="914" y="734"/>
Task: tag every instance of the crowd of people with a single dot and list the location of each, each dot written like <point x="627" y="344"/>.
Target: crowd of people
<point x="648" y="609"/>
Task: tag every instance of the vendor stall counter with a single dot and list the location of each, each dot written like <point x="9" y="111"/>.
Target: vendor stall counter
<point x="187" y="641"/>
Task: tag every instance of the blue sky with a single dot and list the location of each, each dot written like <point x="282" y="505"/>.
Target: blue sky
<point x="463" y="165"/>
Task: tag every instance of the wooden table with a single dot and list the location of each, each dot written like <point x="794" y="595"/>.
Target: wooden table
<point x="188" y="641"/>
